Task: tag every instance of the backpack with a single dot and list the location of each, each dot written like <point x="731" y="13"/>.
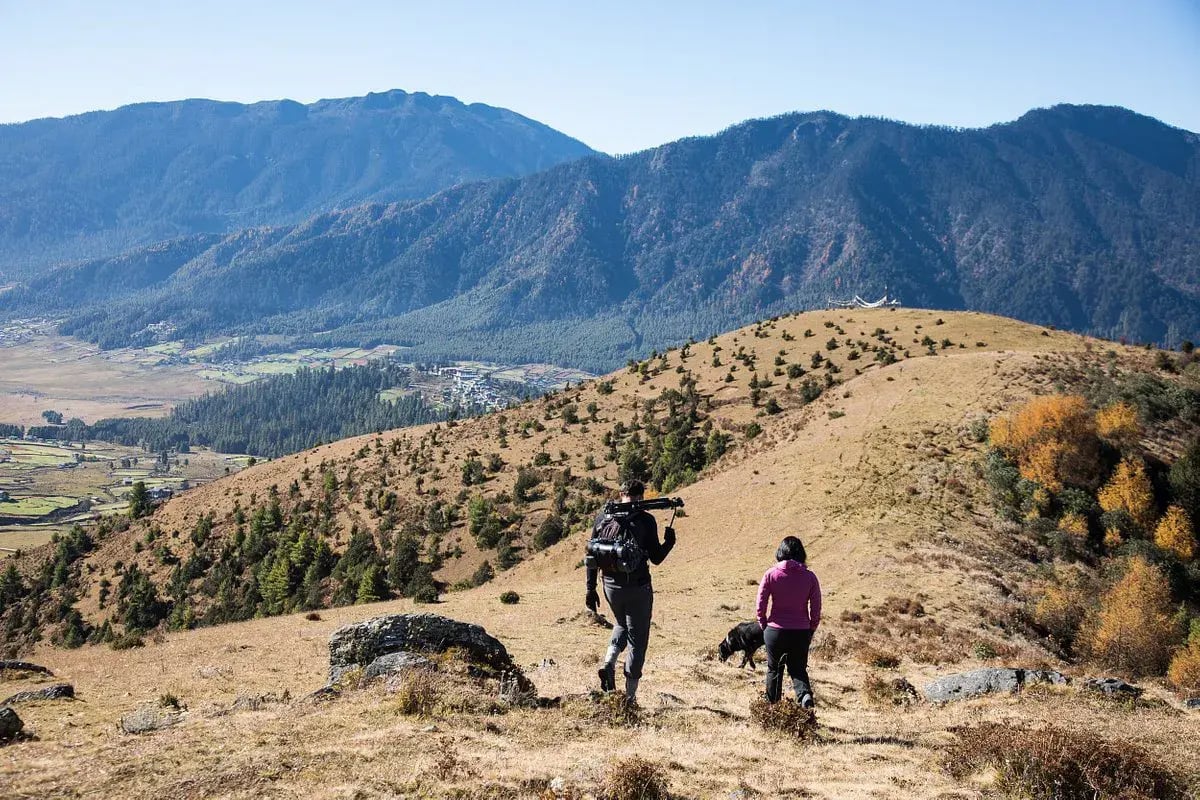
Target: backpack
<point x="614" y="547"/>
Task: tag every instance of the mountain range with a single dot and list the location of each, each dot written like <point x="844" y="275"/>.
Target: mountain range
<point x="1082" y="217"/>
<point x="107" y="181"/>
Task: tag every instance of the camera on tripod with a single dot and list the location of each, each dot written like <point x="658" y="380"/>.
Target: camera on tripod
<point x="654" y="504"/>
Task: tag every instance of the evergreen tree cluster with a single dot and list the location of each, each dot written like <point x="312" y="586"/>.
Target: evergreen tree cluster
<point x="272" y="417"/>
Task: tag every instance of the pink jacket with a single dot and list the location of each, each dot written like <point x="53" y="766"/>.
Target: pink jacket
<point x="795" y="597"/>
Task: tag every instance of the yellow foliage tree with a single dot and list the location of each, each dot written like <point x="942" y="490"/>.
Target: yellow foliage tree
<point x="1074" y="524"/>
<point x="1118" y="423"/>
<point x="1129" y="490"/>
<point x="1052" y="439"/>
<point x="1061" y="608"/>
<point x="1184" y="672"/>
<point x="1132" y="630"/>
<point x="1174" y="534"/>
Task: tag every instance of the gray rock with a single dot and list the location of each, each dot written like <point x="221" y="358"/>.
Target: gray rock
<point x="1048" y="676"/>
<point x="54" y="691"/>
<point x="991" y="680"/>
<point x="10" y="724"/>
<point x="1113" y="687"/>
<point x="1192" y="704"/>
<point x="358" y="645"/>
<point x="396" y="663"/>
<point x="147" y="719"/>
<point x="24" y="666"/>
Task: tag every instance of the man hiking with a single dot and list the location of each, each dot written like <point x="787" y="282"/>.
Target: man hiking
<point x="622" y="543"/>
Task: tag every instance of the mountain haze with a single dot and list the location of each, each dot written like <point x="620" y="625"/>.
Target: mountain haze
<point x="106" y="181"/>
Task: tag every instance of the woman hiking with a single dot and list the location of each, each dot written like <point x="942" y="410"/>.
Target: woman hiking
<point x="794" y="595"/>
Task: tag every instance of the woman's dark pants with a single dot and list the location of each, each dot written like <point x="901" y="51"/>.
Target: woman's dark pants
<point x="790" y="646"/>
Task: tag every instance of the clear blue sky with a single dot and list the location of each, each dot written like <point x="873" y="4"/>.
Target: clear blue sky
<point x="621" y="76"/>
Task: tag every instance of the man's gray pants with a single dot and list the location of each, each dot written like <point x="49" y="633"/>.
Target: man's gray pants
<point x="632" y="607"/>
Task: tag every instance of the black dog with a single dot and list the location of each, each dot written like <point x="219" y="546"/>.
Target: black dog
<point x="746" y="637"/>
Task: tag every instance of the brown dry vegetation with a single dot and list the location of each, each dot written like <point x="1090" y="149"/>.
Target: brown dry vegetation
<point x="884" y="493"/>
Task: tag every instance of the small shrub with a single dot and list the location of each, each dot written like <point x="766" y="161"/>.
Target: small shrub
<point x="874" y="657"/>
<point x="510" y="598"/>
<point x="1060" y="764"/>
<point x="634" y="778"/>
<point x="786" y="717"/>
<point x="607" y="708"/>
<point x="126" y="641"/>
<point x="169" y="700"/>
<point x="881" y="691"/>
<point x="313" y="616"/>
<point x="417" y="694"/>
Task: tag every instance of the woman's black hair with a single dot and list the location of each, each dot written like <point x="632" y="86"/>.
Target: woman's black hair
<point x="791" y="549"/>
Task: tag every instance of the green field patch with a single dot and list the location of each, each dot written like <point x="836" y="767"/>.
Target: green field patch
<point x="227" y="376"/>
<point x="392" y="395"/>
<point x="272" y="367"/>
<point x="166" y="348"/>
<point x="131" y="473"/>
<point x="33" y="507"/>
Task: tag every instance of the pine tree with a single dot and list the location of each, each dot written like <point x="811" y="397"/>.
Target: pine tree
<point x="139" y="501"/>
<point x="406" y="556"/>
<point x="371" y="588"/>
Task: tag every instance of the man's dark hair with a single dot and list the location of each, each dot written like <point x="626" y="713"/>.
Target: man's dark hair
<point x="791" y="549"/>
<point x="633" y="488"/>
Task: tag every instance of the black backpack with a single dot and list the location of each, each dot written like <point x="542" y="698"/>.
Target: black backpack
<point x="614" y="547"/>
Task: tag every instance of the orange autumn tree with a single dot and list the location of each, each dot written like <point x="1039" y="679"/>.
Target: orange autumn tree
<point x="1053" y="441"/>
<point x="1174" y="534"/>
<point x="1118" y="423"/>
<point x="1132" y="630"/>
<point x="1184" y="672"/>
<point x="1129" y="490"/>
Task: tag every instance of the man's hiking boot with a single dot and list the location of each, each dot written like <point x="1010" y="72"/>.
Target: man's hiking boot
<point x="806" y="700"/>
<point x="608" y="678"/>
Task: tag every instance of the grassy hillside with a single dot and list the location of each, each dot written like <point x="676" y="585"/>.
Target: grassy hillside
<point x="880" y="475"/>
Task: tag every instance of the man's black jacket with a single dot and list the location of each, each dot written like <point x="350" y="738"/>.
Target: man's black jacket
<point x="645" y="529"/>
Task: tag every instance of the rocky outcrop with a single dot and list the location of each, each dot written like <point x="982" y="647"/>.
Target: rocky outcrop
<point x="359" y="645"/>
<point x="147" y="719"/>
<point x="1192" y="704"/>
<point x="10" y="725"/>
<point x="24" y="666"/>
<point x="992" y="680"/>
<point x="1113" y="687"/>
<point x="396" y="663"/>
<point x="54" y="691"/>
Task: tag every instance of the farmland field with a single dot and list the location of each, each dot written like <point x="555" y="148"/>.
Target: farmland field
<point x="45" y="480"/>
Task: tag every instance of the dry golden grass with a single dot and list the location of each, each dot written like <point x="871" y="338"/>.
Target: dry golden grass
<point x="883" y="497"/>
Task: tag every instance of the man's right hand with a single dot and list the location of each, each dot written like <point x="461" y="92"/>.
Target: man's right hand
<point x="592" y="601"/>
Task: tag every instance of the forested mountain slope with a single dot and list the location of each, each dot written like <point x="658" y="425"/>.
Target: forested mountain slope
<point x="1082" y="217"/>
<point x="102" y="182"/>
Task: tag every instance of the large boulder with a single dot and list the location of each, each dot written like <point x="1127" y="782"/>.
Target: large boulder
<point x="54" y="691"/>
<point x="10" y="724"/>
<point x="991" y="680"/>
<point x="1113" y="687"/>
<point x="359" y="645"/>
